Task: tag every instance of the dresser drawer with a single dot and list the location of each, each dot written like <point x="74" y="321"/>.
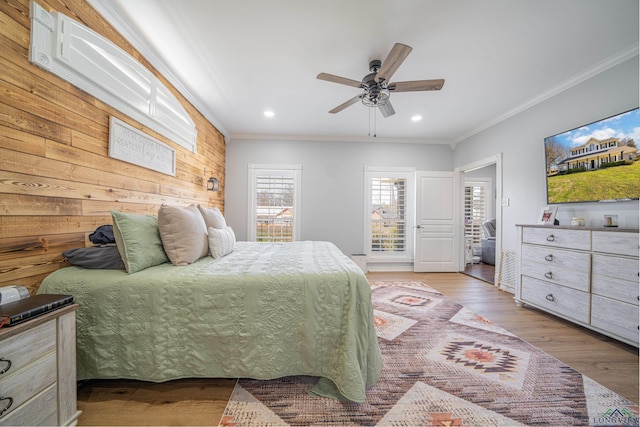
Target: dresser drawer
<point x="575" y="279"/>
<point x="571" y="239"/>
<point x="618" y="289"/>
<point x="27" y="382"/>
<point x="564" y="301"/>
<point x="616" y="242"/>
<point x="615" y="317"/>
<point x="22" y="349"/>
<point x="39" y="411"/>
<point x="620" y="268"/>
<point x="557" y="258"/>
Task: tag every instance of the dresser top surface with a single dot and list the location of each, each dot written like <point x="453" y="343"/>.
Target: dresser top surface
<point x="568" y="227"/>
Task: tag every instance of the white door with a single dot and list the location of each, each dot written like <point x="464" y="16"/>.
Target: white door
<point x="437" y="221"/>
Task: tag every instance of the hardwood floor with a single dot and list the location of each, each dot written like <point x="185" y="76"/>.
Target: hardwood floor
<point x="481" y="271"/>
<point x="202" y="401"/>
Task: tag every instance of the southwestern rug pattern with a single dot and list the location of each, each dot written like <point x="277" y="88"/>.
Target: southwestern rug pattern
<point x="443" y="366"/>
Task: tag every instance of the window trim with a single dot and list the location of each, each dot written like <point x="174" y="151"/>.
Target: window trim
<point x="256" y="169"/>
<point x="385" y="172"/>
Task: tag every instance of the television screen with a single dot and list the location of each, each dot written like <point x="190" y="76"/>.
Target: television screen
<point x="599" y="161"/>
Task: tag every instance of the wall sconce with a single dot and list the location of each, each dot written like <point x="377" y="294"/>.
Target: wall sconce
<point x="212" y="183"/>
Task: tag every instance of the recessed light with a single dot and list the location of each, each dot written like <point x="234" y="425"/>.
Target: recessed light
<point x="416" y="118"/>
<point x="269" y="113"/>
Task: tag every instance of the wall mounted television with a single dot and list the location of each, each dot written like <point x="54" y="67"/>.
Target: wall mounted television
<point x="597" y="162"/>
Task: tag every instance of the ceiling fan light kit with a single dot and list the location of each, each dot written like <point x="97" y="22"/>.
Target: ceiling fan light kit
<point x="376" y="88"/>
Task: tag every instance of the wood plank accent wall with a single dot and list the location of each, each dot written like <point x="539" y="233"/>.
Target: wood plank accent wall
<point x="57" y="182"/>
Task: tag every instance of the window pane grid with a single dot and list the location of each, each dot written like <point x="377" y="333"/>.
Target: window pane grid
<point x="274" y="208"/>
<point x="388" y="215"/>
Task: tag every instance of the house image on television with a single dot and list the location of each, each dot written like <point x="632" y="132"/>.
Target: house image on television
<point x="595" y="153"/>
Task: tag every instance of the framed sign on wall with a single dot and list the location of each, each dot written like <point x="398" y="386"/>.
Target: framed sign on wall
<point x="131" y="145"/>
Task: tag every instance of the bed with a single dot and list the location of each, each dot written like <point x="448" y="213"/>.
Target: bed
<point x="263" y="311"/>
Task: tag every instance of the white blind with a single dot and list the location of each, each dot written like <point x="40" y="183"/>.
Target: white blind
<point x="274" y="208"/>
<point x="475" y="211"/>
<point x="388" y="215"/>
<point x="275" y="199"/>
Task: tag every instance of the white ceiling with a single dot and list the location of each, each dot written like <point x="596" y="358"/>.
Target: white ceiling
<point x="236" y="58"/>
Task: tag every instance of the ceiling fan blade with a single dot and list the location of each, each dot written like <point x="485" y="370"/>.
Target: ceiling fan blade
<point x="387" y="109"/>
<point x="338" y="79"/>
<point x="416" y="85"/>
<point x="394" y="59"/>
<point x="346" y="104"/>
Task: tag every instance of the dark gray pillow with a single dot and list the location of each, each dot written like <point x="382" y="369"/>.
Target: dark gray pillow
<point x="97" y="257"/>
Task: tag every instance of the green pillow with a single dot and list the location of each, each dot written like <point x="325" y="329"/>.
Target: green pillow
<point x="138" y="240"/>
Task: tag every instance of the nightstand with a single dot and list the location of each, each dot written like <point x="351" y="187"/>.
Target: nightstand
<point x="38" y="370"/>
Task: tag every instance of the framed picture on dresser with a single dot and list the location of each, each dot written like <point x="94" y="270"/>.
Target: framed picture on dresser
<point x="547" y="215"/>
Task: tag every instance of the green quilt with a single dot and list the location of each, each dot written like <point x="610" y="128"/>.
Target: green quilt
<point x="264" y="311"/>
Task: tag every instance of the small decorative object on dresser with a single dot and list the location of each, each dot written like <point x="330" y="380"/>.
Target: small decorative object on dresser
<point x="38" y="371"/>
<point x="611" y="220"/>
<point x="547" y="215"/>
<point x="588" y="276"/>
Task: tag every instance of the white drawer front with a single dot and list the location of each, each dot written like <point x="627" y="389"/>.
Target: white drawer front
<point x="28" y="382"/>
<point x="39" y="411"/>
<point x="559" y="299"/>
<point x="618" y="289"/>
<point x="574" y="279"/>
<point x="620" y="268"/>
<point x="571" y="239"/>
<point x="615" y="317"/>
<point x="22" y="349"/>
<point x="557" y="258"/>
<point x="614" y="242"/>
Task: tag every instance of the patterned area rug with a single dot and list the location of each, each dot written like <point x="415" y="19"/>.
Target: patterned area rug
<point x="443" y="366"/>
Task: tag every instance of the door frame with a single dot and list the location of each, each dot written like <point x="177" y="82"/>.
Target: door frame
<point x="488" y="161"/>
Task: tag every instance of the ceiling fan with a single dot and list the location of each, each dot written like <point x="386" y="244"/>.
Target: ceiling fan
<point x="376" y="86"/>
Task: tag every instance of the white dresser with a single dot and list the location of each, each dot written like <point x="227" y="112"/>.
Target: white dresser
<point x="586" y="275"/>
<point x="38" y="371"/>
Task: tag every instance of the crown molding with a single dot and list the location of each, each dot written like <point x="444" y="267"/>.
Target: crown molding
<point x="112" y="14"/>
<point x="610" y="62"/>
<point x="335" y="138"/>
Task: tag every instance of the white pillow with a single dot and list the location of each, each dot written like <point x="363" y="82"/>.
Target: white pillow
<point x="221" y="241"/>
<point x="213" y="217"/>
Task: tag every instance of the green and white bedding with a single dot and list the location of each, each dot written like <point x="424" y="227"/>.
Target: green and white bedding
<point x="266" y="310"/>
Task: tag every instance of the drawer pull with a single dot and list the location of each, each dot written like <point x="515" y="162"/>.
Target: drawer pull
<point x="550" y="238"/>
<point x="548" y="275"/>
<point x="549" y="257"/>
<point x="550" y="297"/>
<point x="6" y="368"/>
<point x="9" y="401"/>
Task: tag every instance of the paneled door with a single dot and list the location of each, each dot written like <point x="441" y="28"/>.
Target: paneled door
<point x="437" y="221"/>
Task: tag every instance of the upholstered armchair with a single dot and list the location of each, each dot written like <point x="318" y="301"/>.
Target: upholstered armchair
<point x="488" y="244"/>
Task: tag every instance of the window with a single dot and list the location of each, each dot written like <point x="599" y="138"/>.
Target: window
<point x="274" y="214"/>
<point x="389" y="212"/>
<point x="476" y="209"/>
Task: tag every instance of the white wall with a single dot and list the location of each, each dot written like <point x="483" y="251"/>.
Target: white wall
<point x="521" y="140"/>
<point x="332" y="181"/>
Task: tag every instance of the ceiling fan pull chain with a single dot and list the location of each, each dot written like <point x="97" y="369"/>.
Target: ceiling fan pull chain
<point x="375" y="117"/>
